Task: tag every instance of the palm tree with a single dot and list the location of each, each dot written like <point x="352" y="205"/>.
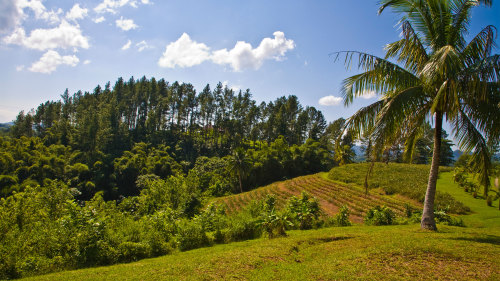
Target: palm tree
<point x="239" y="163"/>
<point x="437" y="75"/>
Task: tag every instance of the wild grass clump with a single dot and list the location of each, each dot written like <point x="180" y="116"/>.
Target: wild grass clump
<point x="393" y="178"/>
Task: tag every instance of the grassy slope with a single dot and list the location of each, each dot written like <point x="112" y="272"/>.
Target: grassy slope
<point x="483" y="215"/>
<point x="359" y="252"/>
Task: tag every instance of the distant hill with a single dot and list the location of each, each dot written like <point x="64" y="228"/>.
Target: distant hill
<point x="5" y="127"/>
<point x="456" y="154"/>
<point x="360" y="153"/>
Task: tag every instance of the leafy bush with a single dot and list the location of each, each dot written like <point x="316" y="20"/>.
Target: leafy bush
<point x="191" y="235"/>
<point x="379" y="216"/>
<point x="303" y="212"/>
<point x="442" y="217"/>
<point x="270" y="221"/>
<point x="342" y="218"/>
<point x="274" y="224"/>
<point x="243" y="227"/>
<point x="133" y="251"/>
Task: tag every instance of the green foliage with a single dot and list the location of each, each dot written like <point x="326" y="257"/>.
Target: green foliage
<point x="273" y="223"/>
<point x="191" y="235"/>
<point x="442" y="217"/>
<point x="243" y="227"/>
<point x="379" y="216"/>
<point x="303" y="212"/>
<point x="342" y="218"/>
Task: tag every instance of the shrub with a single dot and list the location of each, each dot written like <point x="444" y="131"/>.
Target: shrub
<point x="273" y="224"/>
<point x="243" y="227"/>
<point x="303" y="212"/>
<point x="379" y="216"/>
<point x="342" y="218"/>
<point x="442" y="217"/>
<point x="191" y="235"/>
<point x="132" y="251"/>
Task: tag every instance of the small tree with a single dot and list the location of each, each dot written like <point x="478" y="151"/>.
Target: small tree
<point x="239" y="164"/>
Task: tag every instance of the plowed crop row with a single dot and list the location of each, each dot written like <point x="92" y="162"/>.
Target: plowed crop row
<point x="331" y="196"/>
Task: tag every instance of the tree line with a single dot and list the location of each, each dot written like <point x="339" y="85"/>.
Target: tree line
<point x="107" y="139"/>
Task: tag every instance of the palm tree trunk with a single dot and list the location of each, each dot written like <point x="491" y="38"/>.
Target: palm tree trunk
<point x="428" y="221"/>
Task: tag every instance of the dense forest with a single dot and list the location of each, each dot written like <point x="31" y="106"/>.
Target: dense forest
<point x="105" y="140"/>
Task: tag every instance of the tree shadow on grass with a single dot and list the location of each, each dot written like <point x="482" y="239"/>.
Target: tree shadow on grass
<point x="488" y="239"/>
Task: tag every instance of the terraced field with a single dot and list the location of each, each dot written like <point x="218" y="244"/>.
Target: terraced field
<point x="331" y="196"/>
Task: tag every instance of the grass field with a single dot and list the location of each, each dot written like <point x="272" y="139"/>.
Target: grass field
<point x="401" y="252"/>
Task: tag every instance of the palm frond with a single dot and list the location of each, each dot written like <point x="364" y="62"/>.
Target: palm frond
<point x="470" y="140"/>
<point x="380" y="75"/>
<point x="461" y="18"/>
<point x="480" y="47"/>
<point x="408" y="50"/>
<point x="485" y="114"/>
<point x="479" y="79"/>
<point x="362" y="122"/>
<point x="397" y="117"/>
<point x="444" y="64"/>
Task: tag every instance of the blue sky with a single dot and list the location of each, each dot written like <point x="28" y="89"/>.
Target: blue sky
<point x="274" y="48"/>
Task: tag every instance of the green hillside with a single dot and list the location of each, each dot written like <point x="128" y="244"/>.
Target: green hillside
<point x="339" y="253"/>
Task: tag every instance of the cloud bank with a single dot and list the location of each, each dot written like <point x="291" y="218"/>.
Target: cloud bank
<point x="187" y="53"/>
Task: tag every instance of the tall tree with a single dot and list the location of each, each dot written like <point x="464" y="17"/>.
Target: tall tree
<point x="437" y="75"/>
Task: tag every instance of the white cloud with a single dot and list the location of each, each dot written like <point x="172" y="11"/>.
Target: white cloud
<point x="368" y="95"/>
<point x="126" y="24"/>
<point x="76" y="13"/>
<point x="63" y="36"/>
<point x="51" y="60"/>
<point x="141" y="46"/>
<point x="184" y="53"/>
<point x="19" y="68"/>
<point x="243" y="56"/>
<point x="86" y="62"/>
<point x="127" y="45"/>
<point x="99" y="19"/>
<point x="110" y="6"/>
<point x="10" y="16"/>
<point x="330" y="100"/>
<point x="40" y="11"/>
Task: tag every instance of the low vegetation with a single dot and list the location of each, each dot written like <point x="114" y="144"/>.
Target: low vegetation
<point x="165" y="218"/>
